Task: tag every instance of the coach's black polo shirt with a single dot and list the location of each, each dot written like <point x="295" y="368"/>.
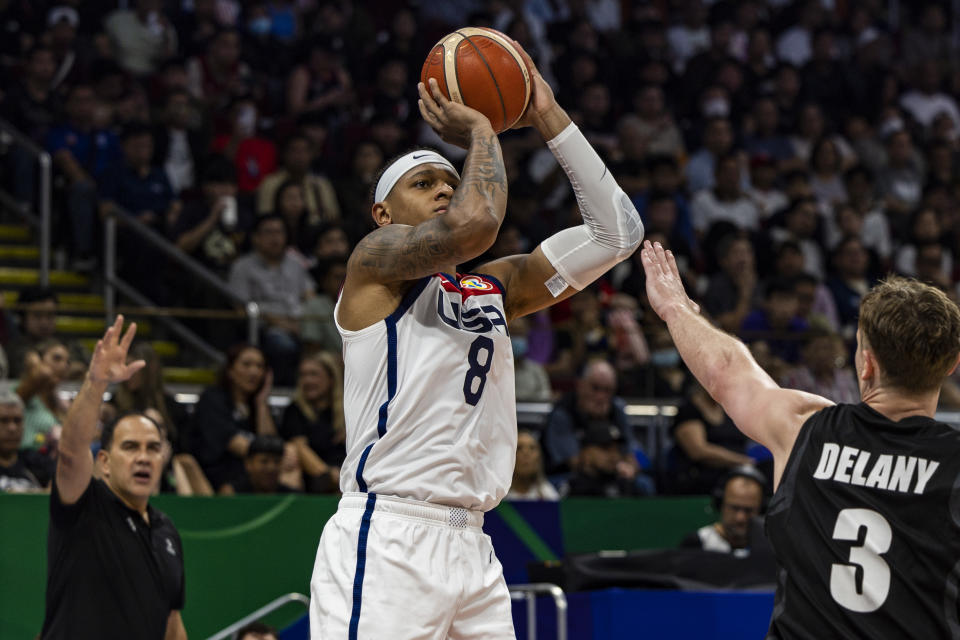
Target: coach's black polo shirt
<point x="110" y="575"/>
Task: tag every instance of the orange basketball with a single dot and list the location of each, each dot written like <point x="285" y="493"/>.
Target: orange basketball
<point x="482" y="69"/>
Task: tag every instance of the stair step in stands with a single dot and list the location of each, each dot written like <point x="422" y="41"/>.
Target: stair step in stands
<point x="15" y="233"/>
<point x="189" y="375"/>
<point x="66" y="302"/>
<point x="22" y="277"/>
<point x="165" y="349"/>
<point x="80" y="325"/>
<point x="19" y="253"/>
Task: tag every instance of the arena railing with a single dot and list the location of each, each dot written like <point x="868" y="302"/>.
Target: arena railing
<point x="270" y="607"/>
<point x="529" y="593"/>
<point x="113" y="283"/>
<point x="39" y="218"/>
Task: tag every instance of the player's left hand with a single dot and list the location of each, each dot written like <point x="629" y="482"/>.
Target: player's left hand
<point x="542" y="99"/>
<point x="664" y="287"/>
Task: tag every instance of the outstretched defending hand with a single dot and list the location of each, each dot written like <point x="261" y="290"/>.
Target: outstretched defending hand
<point x="453" y="122"/>
<point x="664" y="287"/>
<point x="109" y="361"/>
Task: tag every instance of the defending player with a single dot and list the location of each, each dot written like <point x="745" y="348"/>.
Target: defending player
<point x="865" y="522"/>
<point x="429" y="390"/>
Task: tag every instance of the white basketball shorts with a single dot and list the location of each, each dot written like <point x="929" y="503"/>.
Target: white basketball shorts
<point x="395" y="569"/>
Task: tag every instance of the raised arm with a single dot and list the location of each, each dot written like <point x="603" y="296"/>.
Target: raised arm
<point x="475" y="207"/>
<point x="108" y="365"/>
<point x="571" y="259"/>
<point x="757" y="405"/>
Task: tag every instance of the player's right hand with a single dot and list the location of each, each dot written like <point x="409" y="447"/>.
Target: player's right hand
<point x="109" y="361"/>
<point x="454" y="122"/>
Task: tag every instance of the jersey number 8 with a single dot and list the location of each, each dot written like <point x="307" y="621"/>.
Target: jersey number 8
<point x="477" y="371"/>
<point x="864" y="558"/>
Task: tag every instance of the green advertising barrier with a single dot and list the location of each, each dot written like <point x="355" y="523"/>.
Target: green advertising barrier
<point x="241" y="552"/>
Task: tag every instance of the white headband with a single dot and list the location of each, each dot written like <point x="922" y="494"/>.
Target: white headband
<point x="413" y="159"/>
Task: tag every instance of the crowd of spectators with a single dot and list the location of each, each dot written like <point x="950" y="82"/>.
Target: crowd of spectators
<point x="789" y="153"/>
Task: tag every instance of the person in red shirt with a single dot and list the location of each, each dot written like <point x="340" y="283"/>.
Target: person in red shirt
<point x="253" y="156"/>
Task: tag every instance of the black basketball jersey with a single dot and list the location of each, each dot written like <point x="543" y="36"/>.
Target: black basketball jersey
<point x="866" y="529"/>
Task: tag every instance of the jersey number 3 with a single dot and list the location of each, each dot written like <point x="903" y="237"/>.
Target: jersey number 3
<point x="477" y="373"/>
<point x="864" y="559"/>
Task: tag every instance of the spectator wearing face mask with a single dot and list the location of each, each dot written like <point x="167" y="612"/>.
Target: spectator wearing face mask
<point x="253" y="156"/>
<point x="532" y="381"/>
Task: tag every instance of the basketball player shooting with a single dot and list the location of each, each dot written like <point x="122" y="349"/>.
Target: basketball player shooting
<point x="429" y="387"/>
<point x="865" y="521"/>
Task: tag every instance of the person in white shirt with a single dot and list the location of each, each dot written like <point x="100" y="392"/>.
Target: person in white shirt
<point x="763" y="191"/>
<point x="725" y="201"/>
<point x="691" y="36"/>
<point x="926" y="101"/>
<point x="795" y="45"/>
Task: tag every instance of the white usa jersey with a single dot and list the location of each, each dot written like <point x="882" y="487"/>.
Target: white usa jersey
<point x="429" y="398"/>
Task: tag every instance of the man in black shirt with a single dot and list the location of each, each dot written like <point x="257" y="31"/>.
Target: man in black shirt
<point x="738" y="500"/>
<point x="865" y="522"/>
<point x="115" y="564"/>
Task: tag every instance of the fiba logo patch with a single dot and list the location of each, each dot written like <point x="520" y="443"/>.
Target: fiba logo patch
<point x="475" y="283"/>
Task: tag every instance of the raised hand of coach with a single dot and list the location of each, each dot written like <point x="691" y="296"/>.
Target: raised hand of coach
<point x="109" y="361"/>
<point x="454" y="123"/>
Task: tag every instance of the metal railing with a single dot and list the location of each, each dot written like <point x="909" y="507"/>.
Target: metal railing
<point x="529" y="593"/>
<point x="270" y="607"/>
<point x="40" y="219"/>
<point x="114" y="283"/>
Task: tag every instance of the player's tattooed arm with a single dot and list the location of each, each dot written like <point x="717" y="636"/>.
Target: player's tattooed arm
<point x="484" y="181"/>
<point x="400" y="252"/>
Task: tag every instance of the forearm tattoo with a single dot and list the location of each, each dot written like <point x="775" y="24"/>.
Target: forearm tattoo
<point x="484" y="176"/>
<point x="405" y="253"/>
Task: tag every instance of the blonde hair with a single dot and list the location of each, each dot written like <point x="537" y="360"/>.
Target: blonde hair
<point x="913" y="330"/>
<point x="331" y="364"/>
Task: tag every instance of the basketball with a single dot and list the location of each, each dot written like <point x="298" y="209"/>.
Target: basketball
<point x="482" y="69"/>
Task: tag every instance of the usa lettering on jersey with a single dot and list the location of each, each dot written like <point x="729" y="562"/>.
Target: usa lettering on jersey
<point x="453" y="309"/>
<point x="863" y="468"/>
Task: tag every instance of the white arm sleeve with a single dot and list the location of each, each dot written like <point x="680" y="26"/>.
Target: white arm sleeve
<point x="611" y="229"/>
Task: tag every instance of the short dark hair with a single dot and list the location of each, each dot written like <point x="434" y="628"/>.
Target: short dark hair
<point x="135" y="130"/>
<point x="805" y="278"/>
<point x="271" y="445"/>
<point x="255" y="627"/>
<point x="659" y="160"/>
<point x="36" y="294"/>
<point x="106" y="434"/>
<point x="217" y="168"/>
<point x="858" y="170"/>
<point x="293" y="137"/>
<point x="779" y="285"/>
<point x="259" y="221"/>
